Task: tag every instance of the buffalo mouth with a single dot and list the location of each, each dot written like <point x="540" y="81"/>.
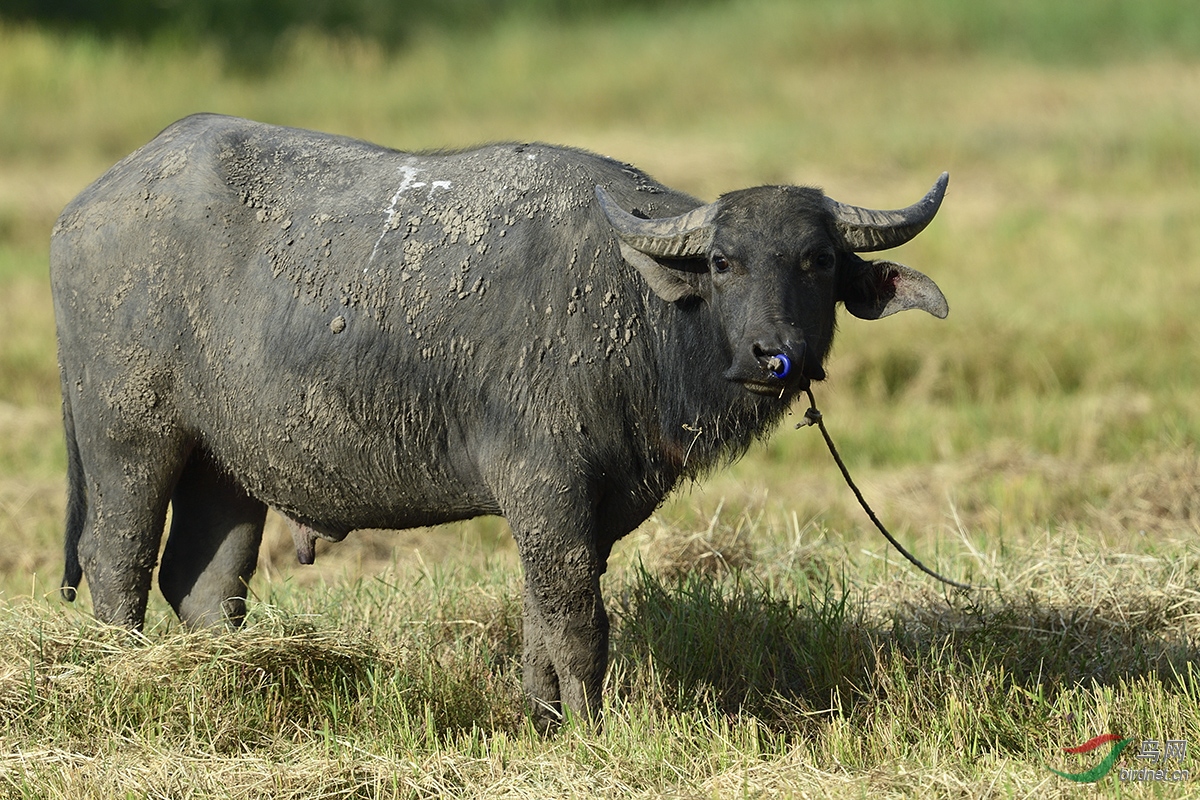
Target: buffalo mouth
<point x="775" y="387"/>
<point x="764" y="382"/>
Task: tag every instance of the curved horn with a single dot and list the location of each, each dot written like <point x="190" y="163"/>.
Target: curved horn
<point x="685" y="236"/>
<point x="866" y="229"/>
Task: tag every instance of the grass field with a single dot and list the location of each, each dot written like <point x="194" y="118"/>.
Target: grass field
<point x="1043" y="442"/>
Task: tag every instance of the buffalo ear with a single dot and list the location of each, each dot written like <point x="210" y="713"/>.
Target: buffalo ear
<point x="668" y="282"/>
<point x="881" y="288"/>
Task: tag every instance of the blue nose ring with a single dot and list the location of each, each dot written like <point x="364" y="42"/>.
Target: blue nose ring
<point x="779" y="365"/>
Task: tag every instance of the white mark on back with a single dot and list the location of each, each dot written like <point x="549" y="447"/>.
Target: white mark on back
<point x="407" y="181"/>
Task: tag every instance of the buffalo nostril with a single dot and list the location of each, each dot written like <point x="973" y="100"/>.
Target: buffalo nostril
<point x="776" y="360"/>
<point x="779" y="365"/>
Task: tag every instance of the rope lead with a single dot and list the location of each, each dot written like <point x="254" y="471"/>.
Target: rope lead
<point x="813" y="417"/>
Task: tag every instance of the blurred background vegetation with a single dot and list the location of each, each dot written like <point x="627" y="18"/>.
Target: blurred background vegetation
<point x="1067" y="244"/>
<point x="1045" y="29"/>
<point x="236" y="23"/>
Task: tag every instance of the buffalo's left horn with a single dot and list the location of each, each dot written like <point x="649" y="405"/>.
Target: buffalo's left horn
<point x="866" y="229"/>
<point x="685" y="236"/>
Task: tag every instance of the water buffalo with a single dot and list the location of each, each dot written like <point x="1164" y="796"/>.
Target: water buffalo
<point x="252" y="316"/>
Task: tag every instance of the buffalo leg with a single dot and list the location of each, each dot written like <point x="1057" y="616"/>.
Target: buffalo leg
<point x="565" y="624"/>
<point x="212" y="550"/>
<point x="539" y="676"/>
<point x="565" y="650"/>
<point x="127" y="494"/>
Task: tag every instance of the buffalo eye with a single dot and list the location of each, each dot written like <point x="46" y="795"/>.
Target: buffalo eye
<point x="824" y="260"/>
<point x="720" y="263"/>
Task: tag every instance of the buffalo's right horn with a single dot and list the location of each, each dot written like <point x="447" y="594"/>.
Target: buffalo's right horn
<point x="866" y="229"/>
<point x="685" y="236"/>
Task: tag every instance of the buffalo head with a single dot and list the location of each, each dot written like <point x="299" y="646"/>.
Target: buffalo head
<point x="773" y="262"/>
